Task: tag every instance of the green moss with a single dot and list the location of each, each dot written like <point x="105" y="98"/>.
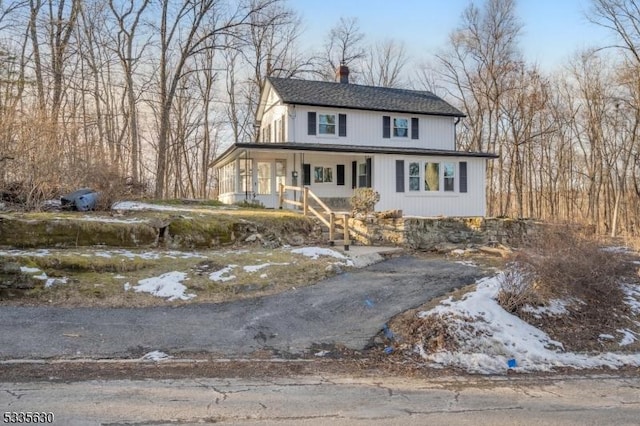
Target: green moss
<point x="24" y="232"/>
<point x="77" y="263"/>
<point x="201" y="232"/>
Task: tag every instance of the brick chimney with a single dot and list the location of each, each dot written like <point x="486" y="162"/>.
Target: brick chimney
<point x="342" y="74"/>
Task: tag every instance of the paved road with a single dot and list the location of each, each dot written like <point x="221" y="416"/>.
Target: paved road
<point x="348" y="309"/>
<point x="333" y="400"/>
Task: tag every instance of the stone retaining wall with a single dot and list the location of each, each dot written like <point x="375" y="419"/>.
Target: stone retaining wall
<point x="438" y="233"/>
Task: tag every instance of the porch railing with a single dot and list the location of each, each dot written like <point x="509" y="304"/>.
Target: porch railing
<point x="335" y="222"/>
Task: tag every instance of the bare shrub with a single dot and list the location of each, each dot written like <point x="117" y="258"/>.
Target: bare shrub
<point x="364" y="200"/>
<point x="563" y="262"/>
<point x="517" y="290"/>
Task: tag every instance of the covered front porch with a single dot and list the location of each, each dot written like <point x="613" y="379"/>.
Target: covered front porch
<point x="255" y="175"/>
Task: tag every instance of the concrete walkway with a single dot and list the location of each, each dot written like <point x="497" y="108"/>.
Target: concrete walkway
<point x="347" y="309"/>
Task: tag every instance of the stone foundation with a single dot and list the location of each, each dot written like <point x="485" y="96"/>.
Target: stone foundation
<point x="438" y="233"/>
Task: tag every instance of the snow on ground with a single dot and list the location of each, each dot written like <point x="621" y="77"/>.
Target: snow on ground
<point x="155" y="356"/>
<point x="107" y="219"/>
<point x="628" y="336"/>
<point x="28" y="270"/>
<point x="146" y="255"/>
<point x="555" y="307"/>
<point x="632" y="297"/>
<point x="135" y="205"/>
<point x="167" y="285"/>
<point x="489" y="337"/>
<point x="219" y="276"/>
<point x="34" y="253"/>
<point x="315" y="252"/>
<point x="48" y="282"/>
<point x="255" y="268"/>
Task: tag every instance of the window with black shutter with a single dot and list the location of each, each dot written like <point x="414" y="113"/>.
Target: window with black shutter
<point x="306" y="174"/>
<point x="386" y="127"/>
<point x="399" y="175"/>
<point x="340" y="174"/>
<point x="415" y="128"/>
<point x="342" y="124"/>
<point x="311" y="123"/>
<point x="368" y="179"/>
<point x="463" y="176"/>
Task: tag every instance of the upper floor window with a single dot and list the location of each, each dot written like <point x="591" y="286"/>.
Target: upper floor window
<point x="400" y="127"/>
<point x="326" y="124"/>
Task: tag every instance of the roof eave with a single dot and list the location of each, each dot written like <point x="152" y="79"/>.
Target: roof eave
<point x="322" y="105"/>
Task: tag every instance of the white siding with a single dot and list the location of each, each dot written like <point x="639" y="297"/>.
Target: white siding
<point x="422" y="203"/>
<point x="364" y="128"/>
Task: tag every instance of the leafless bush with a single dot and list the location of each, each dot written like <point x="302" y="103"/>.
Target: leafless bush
<point x="561" y="262"/>
<point x="517" y="290"/>
<point x="364" y="200"/>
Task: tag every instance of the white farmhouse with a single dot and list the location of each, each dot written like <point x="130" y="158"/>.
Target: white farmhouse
<point x="333" y="137"/>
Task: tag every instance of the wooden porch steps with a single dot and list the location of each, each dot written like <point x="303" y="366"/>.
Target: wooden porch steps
<point x="337" y="223"/>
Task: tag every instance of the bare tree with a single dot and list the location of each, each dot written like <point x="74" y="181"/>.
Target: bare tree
<point x="127" y="16"/>
<point x="482" y="54"/>
<point x="344" y="46"/>
<point x="386" y="63"/>
<point x="184" y="32"/>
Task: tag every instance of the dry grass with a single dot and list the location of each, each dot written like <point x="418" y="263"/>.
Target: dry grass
<point x="99" y="281"/>
<point x="561" y="263"/>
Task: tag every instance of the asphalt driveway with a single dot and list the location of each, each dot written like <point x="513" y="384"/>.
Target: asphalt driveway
<point x="348" y="309"/>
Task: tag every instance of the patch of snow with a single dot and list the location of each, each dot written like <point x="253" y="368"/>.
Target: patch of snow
<point x="155" y="356"/>
<point x="43" y="276"/>
<point x="167" y="285"/>
<point x="104" y="254"/>
<point x="22" y="253"/>
<point x="264" y="276"/>
<point x="50" y="282"/>
<point x="606" y="336"/>
<point x="555" y="307"/>
<point x="322" y="353"/>
<point x="28" y="270"/>
<point x="467" y="263"/>
<point x="617" y="249"/>
<point x="628" y="337"/>
<point x="127" y="286"/>
<point x="218" y="276"/>
<point x="107" y="219"/>
<point x="632" y="297"/>
<point x="457" y="252"/>
<point x="254" y="268"/>
<point x="119" y="277"/>
<point x="488" y="337"/>
<point x="316" y="252"/>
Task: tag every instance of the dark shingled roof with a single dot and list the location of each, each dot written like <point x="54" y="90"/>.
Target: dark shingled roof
<point x="355" y="96"/>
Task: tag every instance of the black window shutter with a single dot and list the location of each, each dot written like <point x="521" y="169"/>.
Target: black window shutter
<point x="414" y="128"/>
<point x="342" y="124"/>
<point x="311" y="123"/>
<point x="340" y="174"/>
<point x="463" y="176"/>
<point x="386" y="127"/>
<point x="354" y="174"/>
<point x="306" y="174"/>
<point x="399" y="175"/>
<point x="368" y="173"/>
